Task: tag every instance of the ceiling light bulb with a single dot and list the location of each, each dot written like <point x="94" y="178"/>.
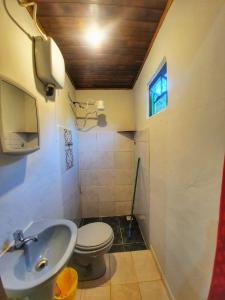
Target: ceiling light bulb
<point x="95" y="36"/>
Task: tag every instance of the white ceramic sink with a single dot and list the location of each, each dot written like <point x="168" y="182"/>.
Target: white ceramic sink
<point x="29" y="273"/>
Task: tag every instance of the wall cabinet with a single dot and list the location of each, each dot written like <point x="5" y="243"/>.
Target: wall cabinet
<point x="19" y="131"/>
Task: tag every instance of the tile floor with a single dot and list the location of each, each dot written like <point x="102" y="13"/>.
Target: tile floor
<point x="129" y="276"/>
<point x="120" y="228"/>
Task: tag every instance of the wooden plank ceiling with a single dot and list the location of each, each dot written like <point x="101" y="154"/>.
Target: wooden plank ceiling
<point x="130" y="26"/>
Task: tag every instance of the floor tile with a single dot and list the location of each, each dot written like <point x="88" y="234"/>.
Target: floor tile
<point x="136" y="236"/>
<point x="129" y="291"/>
<point x="115" y="224"/>
<point x="98" y="293"/>
<point x="122" y="268"/>
<point x="124" y="222"/>
<point x="120" y="227"/>
<point x="134" y="247"/>
<point x="145" y="266"/>
<point x="117" y="248"/>
<point x="78" y="294"/>
<point x="153" y="290"/>
<point x="102" y="281"/>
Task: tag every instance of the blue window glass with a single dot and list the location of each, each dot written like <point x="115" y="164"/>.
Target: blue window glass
<point x="158" y="96"/>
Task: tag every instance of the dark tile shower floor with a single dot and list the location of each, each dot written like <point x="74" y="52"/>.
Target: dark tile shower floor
<point x="120" y="228"/>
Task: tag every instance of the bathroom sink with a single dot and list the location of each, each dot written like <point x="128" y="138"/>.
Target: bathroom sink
<point x="30" y="272"/>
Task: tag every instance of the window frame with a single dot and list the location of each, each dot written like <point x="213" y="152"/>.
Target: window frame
<point x="161" y="70"/>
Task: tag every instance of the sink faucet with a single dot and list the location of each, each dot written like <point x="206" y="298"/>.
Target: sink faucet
<point x="21" y="241"/>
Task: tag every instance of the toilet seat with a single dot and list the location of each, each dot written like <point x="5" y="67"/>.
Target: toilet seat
<point x="94" y="236"/>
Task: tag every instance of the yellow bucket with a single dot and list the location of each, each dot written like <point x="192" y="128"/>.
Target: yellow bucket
<point x="66" y="285"/>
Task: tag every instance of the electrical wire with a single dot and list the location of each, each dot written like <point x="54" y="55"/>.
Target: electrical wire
<point x="34" y="17"/>
<point x="82" y="128"/>
<point x="14" y="20"/>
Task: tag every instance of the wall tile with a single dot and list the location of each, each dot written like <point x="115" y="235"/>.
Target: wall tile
<point x="105" y="177"/>
<point x="87" y="142"/>
<point x="142" y="151"/>
<point x="106" y="174"/>
<point x="123" y="142"/>
<point x="90" y="208"/>
<point x="123" y="192"/>
<point x="88" y="160"/>
<point x="90" y="193"/>
<point x="106" y="193"/>
<point x="105" y="141"/>
<point x="142" y="135"/>
<point x="124" y="160"/>
<point x="87" y="178"/>
<point x="90" y="200"/>
<point x="104" y="160"/>
<point x="107" y="209"/>
<point x="124" y="177"/>
<point x="142" y="193"/>
<point x="123" y="208"/>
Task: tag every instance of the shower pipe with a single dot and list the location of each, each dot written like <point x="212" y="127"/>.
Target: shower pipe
<point x="83" y="105"/>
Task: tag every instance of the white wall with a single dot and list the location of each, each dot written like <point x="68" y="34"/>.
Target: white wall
<point x="119" y="107"/>
<point x="107" y="157"/>
<point x="186" y="143"/>
<point x="33" y="186"/>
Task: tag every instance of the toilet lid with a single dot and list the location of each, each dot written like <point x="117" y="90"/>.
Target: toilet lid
<point x="94" y="235"/>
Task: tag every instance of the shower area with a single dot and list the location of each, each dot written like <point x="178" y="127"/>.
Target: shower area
<point x="107" y="166"/>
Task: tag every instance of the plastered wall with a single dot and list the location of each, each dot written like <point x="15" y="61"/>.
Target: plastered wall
<point x="34" y="186"/>
<point x="186" y="144"/>
<point x="119" y="107"/>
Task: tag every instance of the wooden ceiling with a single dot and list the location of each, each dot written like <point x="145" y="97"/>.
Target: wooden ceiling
<point x="130" y="26"/>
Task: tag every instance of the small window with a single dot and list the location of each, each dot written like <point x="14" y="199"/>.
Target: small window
<point x="158" y="96"/>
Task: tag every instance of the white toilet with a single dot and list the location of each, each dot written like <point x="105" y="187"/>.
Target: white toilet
<point x="93" y="241"/>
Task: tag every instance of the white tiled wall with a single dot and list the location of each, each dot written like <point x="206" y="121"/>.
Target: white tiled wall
<point x="142" y="195"/>
<point x="106" y="173"/>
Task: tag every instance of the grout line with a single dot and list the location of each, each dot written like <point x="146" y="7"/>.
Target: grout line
<point x="121" y="233"/>
<point x="139" y="290"/>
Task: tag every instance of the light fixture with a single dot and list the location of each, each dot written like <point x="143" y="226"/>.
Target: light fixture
<point x="95" y="35"/>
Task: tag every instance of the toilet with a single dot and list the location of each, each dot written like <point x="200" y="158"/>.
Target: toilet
<point x="93" y="241"/>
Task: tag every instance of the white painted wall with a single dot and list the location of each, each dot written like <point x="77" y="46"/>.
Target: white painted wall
<point x="119" y="107"/>
<point x="33" y="187"/>
<point x="186" y="144"/>
<point x="106" y="156"/>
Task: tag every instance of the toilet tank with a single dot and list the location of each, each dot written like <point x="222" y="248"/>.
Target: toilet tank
<point x="50" y="66"/>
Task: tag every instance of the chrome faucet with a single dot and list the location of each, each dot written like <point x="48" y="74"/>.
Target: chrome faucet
<point x="21" y="241"/>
